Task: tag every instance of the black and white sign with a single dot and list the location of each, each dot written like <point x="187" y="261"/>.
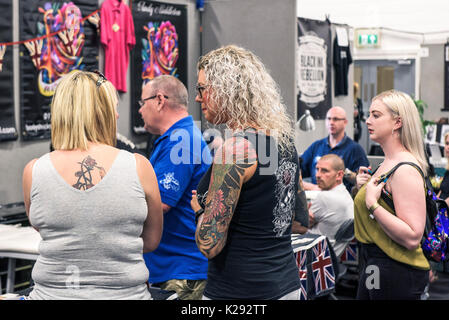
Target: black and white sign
<point x="314" y="67"/>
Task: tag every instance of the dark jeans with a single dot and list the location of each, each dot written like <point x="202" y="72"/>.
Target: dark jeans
<point x="382" y="278"/>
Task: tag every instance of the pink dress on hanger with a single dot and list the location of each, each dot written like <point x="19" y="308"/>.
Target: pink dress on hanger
<point x="117" y="38"/>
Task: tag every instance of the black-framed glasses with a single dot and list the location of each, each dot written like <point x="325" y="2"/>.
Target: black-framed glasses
<point x="200" y="88"/>
<point x="142" y="102"/>
<point x="335" y="119"/>
<point x="101" y="78"/>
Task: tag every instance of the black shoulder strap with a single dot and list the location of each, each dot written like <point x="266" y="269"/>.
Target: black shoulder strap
<point x="388" y="199"/>
<point x="389" y="173"/>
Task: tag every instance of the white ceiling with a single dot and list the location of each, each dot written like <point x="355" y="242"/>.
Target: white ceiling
<point x="421" y="16"/>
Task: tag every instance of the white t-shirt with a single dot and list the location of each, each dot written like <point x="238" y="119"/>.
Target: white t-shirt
<point x="331" y="208"/>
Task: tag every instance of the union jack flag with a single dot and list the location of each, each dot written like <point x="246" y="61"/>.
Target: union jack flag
<point x="350" y="253"/>
<point x="301" y="261"/>
<point x="322" y="268"/>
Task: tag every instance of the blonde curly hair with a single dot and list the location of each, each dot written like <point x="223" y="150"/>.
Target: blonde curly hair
<point x="246" y="93"/>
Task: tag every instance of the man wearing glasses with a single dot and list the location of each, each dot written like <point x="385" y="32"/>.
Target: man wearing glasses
<point x="180" y="157"/>
<point x="336" y="142"/>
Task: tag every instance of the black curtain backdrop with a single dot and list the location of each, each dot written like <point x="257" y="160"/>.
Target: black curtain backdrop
<point x="161" y="48"/>
<point x="314" y="67"/>
<point x="8" y="129"/>
<point x="37" y="84"/>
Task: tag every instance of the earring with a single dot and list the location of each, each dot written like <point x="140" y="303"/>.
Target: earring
<point x="395" y="133"/>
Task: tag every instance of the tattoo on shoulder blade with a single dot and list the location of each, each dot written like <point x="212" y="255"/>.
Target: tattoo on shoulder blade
<point x="85" y="174"/>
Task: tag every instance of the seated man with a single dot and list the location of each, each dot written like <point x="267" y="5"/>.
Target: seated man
<point x="337" y="142"/>
<point x="333" y="205"/>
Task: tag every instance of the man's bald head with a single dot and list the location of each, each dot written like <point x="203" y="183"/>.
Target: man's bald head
<point x="336" y="121"/>
<point x="337" y="111"/>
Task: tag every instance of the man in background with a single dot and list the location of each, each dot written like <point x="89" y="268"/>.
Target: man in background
<point x="180" y="157"/>
<point x="337" y="142"/>
<point x="333" y="205"/>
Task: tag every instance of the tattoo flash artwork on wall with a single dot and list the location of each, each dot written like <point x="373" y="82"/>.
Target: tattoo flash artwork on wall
<point x="8" y="129"/>
<point x="64" y="42"/>
<point x="314" y="67"/>
<point x="161" y="48"/>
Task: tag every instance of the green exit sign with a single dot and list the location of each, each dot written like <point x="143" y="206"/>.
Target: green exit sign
<point x="368" y="38"/>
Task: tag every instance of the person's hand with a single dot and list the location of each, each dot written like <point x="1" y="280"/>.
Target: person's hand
<point x="194" y="202"/>
<point x="432" y="276"/>
<point x="311" y="219"/>
<point x="217" y="142"/>
<point x="350" y="176"/>
<point x="363" y="176"/>
<point x="373" y="190"/>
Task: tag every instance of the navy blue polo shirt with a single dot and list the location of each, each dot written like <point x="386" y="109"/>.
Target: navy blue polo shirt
<point x="351" y="152"/>
<point x="180" y="158"/>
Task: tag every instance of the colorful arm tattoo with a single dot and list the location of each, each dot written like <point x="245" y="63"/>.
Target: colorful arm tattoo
<point x="223" y="195"/>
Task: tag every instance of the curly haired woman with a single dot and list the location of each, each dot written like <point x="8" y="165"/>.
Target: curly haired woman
<point x="245" y="202"/>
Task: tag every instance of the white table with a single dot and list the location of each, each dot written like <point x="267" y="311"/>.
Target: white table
<point x="17" y="242"/>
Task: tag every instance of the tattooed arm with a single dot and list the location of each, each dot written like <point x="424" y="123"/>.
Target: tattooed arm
<point x="234" y="164"/>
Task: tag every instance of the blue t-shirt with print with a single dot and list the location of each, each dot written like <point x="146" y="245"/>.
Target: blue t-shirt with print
<point x="180" y="158"/>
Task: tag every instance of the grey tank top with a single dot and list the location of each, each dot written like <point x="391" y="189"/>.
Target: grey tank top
<point x="91" y="246"/>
